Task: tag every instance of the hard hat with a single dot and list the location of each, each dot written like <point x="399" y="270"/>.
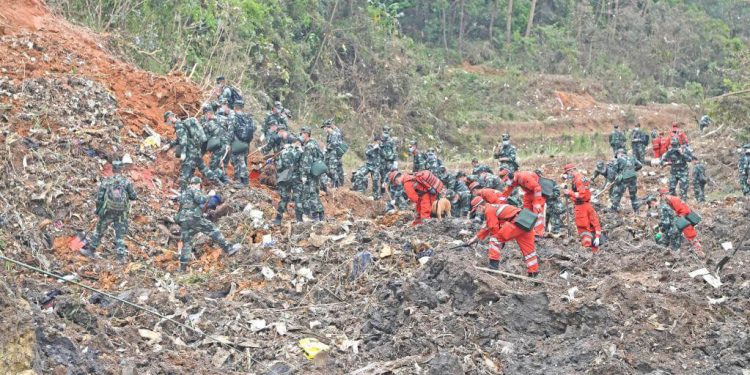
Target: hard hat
<point x="475" y="203"/>
<point x="568" y="167"/>
<point x="195" y="180"/>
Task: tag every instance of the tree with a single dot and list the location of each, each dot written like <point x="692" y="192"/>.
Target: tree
<point x="531" y="18"/>
<point x="509" y="22"/>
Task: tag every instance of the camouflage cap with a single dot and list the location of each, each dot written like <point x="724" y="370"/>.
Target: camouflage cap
<point x="474" y="161"/>
<point x="304" y="130"/>
<point x="600" y="165"/>
<point x="208" y="108"/>
<point x="167" y="115"/>
<point x="460" y="174"/>
<point x="327" y="123"/>
<point x="386" y="128"/>
<point x="277" y="105"/>
<point x="195" y="180"/>
<point x="506" y="137"/>
<point x="239" y="104"/>
<point x="431" y="149"/>
<point x="413" y="142"/>
<point x="675" y="142"/>
<point x="472" y="177"/>
<point x="220" y="79"/>
<point x="621" y="151"/>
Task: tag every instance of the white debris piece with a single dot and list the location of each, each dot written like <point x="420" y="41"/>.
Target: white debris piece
<point x="268" y="273"/>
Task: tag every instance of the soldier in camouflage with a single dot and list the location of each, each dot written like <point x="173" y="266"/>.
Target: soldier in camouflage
<point x="311" y="154"/>
<point x="289" y="180"/>
<point x="112" y="206"/>
<point x="477" y="168"/>
<point x="193" y="204"/>
<point x="744" y="170"/>
<point x="606" y="170"/>
<point x="626" y="178"/>
<point x="490" y="181"/>
<point x="276" y="141"/>
<point x="617" y="139"/>
<point x="432" y="161"/>
<point x="218" y="142"/>
<point x="398" y="199"/>
<point x="224" y="92"/>
<point x="704" y="122"/>
<point x="387" y="156"/>
<point x="190" y="148"/>
<point x="373" y="163"/>
<point x="506" y="154"/>
<point x="277" y="115"/>
<point x="419" y="159"/>
<point x="669" y="235"/>
<point x="335" y="149"/>
<point x="555" y="207"/>
<point x="639" y="142"/>
<point x="461" y="202"/>
<point x="241" y="130"/>
<point x="678" y="158"/>
<point x="699" y="180"/>
<point x="359" y="179"/>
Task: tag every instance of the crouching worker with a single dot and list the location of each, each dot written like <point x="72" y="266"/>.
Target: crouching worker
<point x="505" y="223"/>
<point x="423" y="189"/>
<point x="587" y="221"/>
<point x="191" y="221"/>
<point x="674" y="217"/>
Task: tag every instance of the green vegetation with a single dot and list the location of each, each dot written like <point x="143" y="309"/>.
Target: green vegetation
<point x="398" y="61"/>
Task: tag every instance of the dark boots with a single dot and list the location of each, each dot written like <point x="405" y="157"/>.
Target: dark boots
<point x="494" y="264"/>
<point x="277" y="220"/>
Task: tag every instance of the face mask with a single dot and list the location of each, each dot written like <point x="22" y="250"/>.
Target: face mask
<point x="505" y="143"/>
<point x="411" y="149"/>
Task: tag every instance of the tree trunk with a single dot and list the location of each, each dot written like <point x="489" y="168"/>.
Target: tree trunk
<point x="509" y="23"/>
<point x="492" y="18"/>
<point x="531" y="18"/>
<point x="445" y="26"/>
<point x="461" y="31"/>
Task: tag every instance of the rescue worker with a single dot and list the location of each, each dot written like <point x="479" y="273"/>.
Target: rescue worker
<point x="477" y="168"/>
<point x="112" y="207"/>
<point x="461" y="202"/>
<point x="678" y="158"/>
<point x="277" y="115"/>
<point x="617" y="139"/>
<point x="225" y="92"/>
<point x="372" y="163"/>
<point x="422" y="188"/>
<point x="311" y="155"/>
<point x="532" y="192"/>
<point x="555" y="207"/>
<point x="218" y="143"/>
<point x="671" y="207"/>
<point x="608" y="172"/>
<point x="289" y="180"/>
<point x="679" y="134"/>
<point x="419" y="159"/>
<point x="660" y="145"/>
<point x="398" y="200"/>
<point x="276" y="141"/>
<point x="506" y="154"/>
<point x="433" y="162"/>
<point x="744" y="169"/>
<point x="190" y="138"/>
<point x="242" y="130"/>
<point x="359" y="179"/>
<point x="699" y="180"/>
<point x="656" y="143"/>
<point x="191" y="221"/>
<point x="387" y="157"/>
<point x="586" y="219"/>
<point x="704" y="122"/>
<point x="639" y="141"/>
<point x="626" y="178"/>
<point x="335" y="150"/>
<point x="500" y="224"/>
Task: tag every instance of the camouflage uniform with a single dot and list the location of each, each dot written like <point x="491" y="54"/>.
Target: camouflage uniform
<point x="617" y="140"/>
<point x="334" y="153"/>
<point x="744" y="169"/>
<point x="704" y="122"/>
<point x="387" y="156"/>
<point x="118" y="218"/>
<point x="699" y="181"/>
<point x="241" y="124"/>
<point x="276" y="142"/>
<point x="397" y="194"/>
<point x="555" y="210"/>
<point x="461" y="202"/>
<point x="191" y="221"/>
<point x="433" y="163"/>
<point x="507" y="154"/>
<point x="277" y="116"/>
<point x="639" y="143"/>
<point x="373" y="161"/>
<point x="213" y="130"/>
<point x="679" y="158"/>
<point x="626" y="179"/>
<point x="671" y="236"/>
<point x="359" y="179"/>
<point x="608" y="172"/>
<point x="311" y="203"/>
<point x="490" y="181"/>
<point x="191" y="147"/>
<point x="290" y="189"/>
<point x="480" y="168"/>
<point x="419" y="159"/>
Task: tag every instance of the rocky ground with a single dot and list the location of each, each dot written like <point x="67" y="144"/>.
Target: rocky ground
<point x="383" y="296"/>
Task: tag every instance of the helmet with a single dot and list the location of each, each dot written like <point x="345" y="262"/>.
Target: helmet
<point x="220" y="79"/>
<point x="239" y="104"/>
<point x="413" y="142"/>
<point x="116" y="165"/>
<point x="207" y="108"/>
<point x="621" y="151"/>
<point x="277" y="105"/>
<point x="663" y="190"/>
<point x="503" y="170"/>
<point x="167" y="115"/>
<point x="304" y="130"/>
<point x="195" y="180"/>
<point x="386" y="128"/>
<point x="327" y="123"/>
<point x="570" y="166"/>
<point x="506" y="137"/>
<point x="675" y="142"/>
<point x="476" y="202"/>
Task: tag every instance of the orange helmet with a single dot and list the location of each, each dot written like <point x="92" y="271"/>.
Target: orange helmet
<point x="474" y="185"/>
<point x="503" y="171"/>
<point x="393" y="175"/>
<point x="475" y="203"/>
<point x="568" y="167"/>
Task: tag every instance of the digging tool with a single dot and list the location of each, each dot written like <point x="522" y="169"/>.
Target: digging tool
<point x="726" y="258"/>
<point x="533" y="280"/>
<point x="460" y="246"/>
<point x="605" y="188"/>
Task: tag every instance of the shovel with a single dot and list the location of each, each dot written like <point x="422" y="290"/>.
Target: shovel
<point x="726" y="258"/>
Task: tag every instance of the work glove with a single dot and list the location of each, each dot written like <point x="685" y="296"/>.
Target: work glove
<point x="183" y="157"/>
<point x="596" y="242"/>
<point x="304" y="180"/>
<point x="269" y="161"/>
<point x="432" y="191"/>
<point x="472" y="241"/>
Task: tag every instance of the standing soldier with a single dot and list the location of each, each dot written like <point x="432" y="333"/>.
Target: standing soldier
<point x="225" y="92"/>
<point x="433" y="163"/>
<point x="699" y="180"/>
<point x="312" y="167"/>
<point x="112" y="206"/>
<point x="419" y="159"/>
<point x="335" y="150"/>
<point x="555" y="207"/>
<point x="506" y="154"/>
<point x="606" y="170"/>
<point x="704" y="122"/>
<point x="277" y="115"/>
<point x="218" y="142"/>
<point x="373" y="161"/>
<point x="190" y="138"/>
<point x="744" y="169"/>
<point x="193" y="203"/>
<point x="242" y="131"/>
<point x="289" y="181"/>
<point x="617" y="139"/>
<point x="387" y="156"/>
<point x="639" y="142"/>
<point x="626" y="178"/>
<point x="678" y="158"/>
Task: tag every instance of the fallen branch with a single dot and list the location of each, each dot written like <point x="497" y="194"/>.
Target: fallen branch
<point x="513" y="275"/>
<point x="378" y="368"/>
<point x="728" y="94"/>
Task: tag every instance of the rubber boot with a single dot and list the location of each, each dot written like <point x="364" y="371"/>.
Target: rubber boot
<point x="532" y="274"/>
<point x="494" y="264"/>
<point x="277" y="220"/>
<point x="298" y="216"/>
<point x="183" y="266"/>
<point x="321" y="216"/>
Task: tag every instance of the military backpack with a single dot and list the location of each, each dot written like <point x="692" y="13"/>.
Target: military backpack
<point x="115" y="198"/>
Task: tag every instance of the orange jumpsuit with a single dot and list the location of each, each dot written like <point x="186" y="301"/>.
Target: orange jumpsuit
<point x="532" y="196"/>
<point x="665" y="144"/>
<point x="417" y="188"/>
<point x="680" y="135"/>
<point x="681" y="209"/>
<point x="499" y="223"/>
<point x="587" y="221"/>
<point x="491" y="195"/>
<point x="656" y="146"/>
